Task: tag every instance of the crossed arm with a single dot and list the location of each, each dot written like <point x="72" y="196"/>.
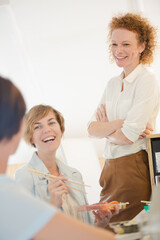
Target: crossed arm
<point x="102" y="128"/>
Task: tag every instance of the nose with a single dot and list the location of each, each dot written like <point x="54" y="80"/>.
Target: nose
<point x="119" y="49"/>
<point x="46" y="128"/>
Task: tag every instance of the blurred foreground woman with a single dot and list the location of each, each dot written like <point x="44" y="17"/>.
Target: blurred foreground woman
<point x="21" y="215"/>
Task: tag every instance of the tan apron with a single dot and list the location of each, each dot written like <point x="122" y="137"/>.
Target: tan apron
<point x="126" y="179"/>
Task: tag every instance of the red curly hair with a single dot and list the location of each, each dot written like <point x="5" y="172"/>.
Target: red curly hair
<point x="141" y="26"/>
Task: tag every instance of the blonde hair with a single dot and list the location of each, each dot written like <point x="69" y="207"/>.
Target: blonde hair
<point x="35" y="114"/>
<point x="141" y="26"/>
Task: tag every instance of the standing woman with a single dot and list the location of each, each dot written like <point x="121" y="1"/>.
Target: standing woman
<point x="126" y="113"/>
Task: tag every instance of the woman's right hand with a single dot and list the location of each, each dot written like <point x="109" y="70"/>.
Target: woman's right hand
<point x="102" y="217"/>
<point x="101" y="114"/>
<point x="57" y="188"/>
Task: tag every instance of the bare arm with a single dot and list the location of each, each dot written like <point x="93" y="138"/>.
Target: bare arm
<point x="63" y="227"/>
<point x="120" y="139"/>
<point x="102" y="127"/>
<point x="111" y="130"/>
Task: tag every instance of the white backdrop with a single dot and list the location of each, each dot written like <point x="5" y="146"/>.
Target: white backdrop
<point x="56" y="53"/>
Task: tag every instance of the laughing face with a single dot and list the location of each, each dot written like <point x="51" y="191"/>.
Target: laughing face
<point x="125" y="49"/>
<point x="47" y="134"/>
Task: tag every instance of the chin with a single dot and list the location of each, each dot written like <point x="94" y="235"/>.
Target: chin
<point x="120" y="65"/>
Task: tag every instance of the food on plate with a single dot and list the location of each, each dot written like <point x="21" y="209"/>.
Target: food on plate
<point x="102" y="206"/>
<point x="125" y="227"/>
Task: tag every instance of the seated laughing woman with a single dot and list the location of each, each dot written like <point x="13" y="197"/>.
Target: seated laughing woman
<point x="22" y="216"/>
<point x="44" y="130"/>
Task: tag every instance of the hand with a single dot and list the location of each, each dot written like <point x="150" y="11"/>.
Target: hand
<point x="57" y="188"/>
<point x="102" y="217"/>
<point x="147" y="131"/>
<point x="101" y="114"/>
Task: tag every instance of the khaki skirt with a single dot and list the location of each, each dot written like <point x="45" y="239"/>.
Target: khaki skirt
<point x="126" y="179"/>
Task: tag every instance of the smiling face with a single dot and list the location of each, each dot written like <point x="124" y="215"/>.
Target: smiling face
<point x="125" y="49"/>
<point x="47" y="134"/>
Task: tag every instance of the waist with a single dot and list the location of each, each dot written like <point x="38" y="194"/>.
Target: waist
<point x="141" y="153"/>
<point x="116" y="151"/>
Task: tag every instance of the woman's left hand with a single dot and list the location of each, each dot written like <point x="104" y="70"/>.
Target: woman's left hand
<point x="147" y="131"/>
<point x="102" y="217"/>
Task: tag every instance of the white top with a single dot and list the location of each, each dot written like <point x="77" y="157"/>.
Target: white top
<point x="70" y="207"/>
<point x="137" y="105"/>
<point x="21" y="215"/>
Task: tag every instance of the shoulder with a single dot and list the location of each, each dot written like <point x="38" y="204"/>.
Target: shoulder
<point x="147" y="82"/>
<point x="23" y="171"/>
<point x="113" y="80"/>
<point x="148" y="76"/>
<point x="23" y="176"/>
<point x="16" y="203"/>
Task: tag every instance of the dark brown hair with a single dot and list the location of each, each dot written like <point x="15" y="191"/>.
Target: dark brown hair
<point x="12" y="108"/>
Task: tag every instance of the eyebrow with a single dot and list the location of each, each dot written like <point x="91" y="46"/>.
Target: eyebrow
<point x="51" y="119"/>
<point x="122" y="42"/>
<point x="37" y="123"/>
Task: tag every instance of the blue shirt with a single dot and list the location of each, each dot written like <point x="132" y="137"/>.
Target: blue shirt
<point x="21" y="215"/>
<point x="38" y="185"/>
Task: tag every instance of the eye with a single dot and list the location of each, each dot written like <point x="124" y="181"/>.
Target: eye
<point x="52" y="123"/>
<point x="114" y="44"/>
<point x="36" y="127"/>
<point x="126" y="44"/>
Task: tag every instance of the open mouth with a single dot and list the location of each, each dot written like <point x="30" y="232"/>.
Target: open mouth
<point x="48" y="139"/>
<point x="119" y="58"/>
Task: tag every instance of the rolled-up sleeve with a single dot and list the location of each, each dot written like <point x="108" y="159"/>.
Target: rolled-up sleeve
<point x="145" y="104"/>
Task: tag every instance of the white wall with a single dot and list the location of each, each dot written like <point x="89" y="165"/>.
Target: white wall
<point x="56" y="53"/>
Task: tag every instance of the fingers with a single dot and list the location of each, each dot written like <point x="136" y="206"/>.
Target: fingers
<point x="102" y="220"/>
<point x="97" y="215"/>
<point x="61" y="177"/>
<point x="101" y="114"/>
<point x="149" y="127"/>
<point x="100" y="214"/>
<point x="102" y="217"/>
<point x="143" y="134"/>
<point x="105" y="213"/>
<point x="115" y="211"/>
<point x="147" y="131"/>
<point x="57" y="184"/>
<point x="97" y="116"/>
<point x="141" y="137"/>
<point x="103" y="108"/>
<point x="57" y="188"/>
<point x="59" y="193"/>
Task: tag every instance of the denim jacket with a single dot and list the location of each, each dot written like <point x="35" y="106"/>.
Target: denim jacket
<point x="37" y="185"/>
